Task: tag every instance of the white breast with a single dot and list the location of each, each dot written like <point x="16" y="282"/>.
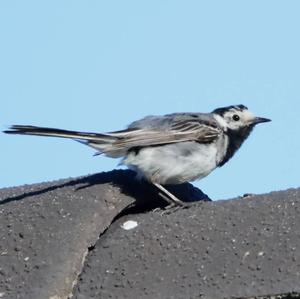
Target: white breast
<point x="174" y="163"/>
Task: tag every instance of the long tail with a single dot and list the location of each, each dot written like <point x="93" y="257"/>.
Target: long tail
<point x="103" y="143"/>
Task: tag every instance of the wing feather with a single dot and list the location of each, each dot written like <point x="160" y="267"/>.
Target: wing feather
<point x="181" y="131"/>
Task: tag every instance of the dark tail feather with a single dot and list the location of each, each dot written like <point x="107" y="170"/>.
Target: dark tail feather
<point x="101" y="142"/>
<point x="52" y="132"/>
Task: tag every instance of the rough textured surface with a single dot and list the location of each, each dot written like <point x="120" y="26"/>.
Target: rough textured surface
<point x="46" y="229"/>
<point x="244" y="248"/>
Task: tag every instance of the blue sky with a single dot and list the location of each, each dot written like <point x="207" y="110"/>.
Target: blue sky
<point x="98" y="65"/>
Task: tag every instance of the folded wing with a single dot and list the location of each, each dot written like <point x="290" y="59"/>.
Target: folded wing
<point x="180" y="131"/>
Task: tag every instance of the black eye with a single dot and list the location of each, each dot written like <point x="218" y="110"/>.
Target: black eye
<point x="235" y="117"/>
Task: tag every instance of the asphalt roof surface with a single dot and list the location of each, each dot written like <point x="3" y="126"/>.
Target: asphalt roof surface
<point x="99" y="237"/>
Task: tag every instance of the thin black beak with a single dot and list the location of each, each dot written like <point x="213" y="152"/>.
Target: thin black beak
<point x="258" y="120"/>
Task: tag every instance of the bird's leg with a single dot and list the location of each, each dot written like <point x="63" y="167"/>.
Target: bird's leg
<point x="167" y="199"/>
<point x="168" y="196"/>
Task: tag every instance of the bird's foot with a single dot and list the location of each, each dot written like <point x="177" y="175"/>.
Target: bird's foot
<point x="172" y="208"/>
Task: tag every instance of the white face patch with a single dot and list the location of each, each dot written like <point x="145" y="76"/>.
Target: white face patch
<point x="236" y="119"/>
<point x="221" y="121"/>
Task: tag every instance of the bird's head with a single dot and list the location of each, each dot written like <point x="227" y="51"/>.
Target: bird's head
<point x="237" y="118"/>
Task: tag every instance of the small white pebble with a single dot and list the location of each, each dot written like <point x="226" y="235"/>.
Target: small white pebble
<point x="261" y="253"/>
<point x="130" y="224"/>
<point x="26" y="258"/>
<point x="2" y="294"/>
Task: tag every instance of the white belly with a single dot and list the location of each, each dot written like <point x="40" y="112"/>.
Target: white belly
<point x="174" y="163"/>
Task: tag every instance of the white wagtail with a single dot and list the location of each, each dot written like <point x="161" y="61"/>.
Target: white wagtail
<point x="170" y="149"/>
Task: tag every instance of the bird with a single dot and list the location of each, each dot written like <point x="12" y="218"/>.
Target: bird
<point x="169" y="149"/>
